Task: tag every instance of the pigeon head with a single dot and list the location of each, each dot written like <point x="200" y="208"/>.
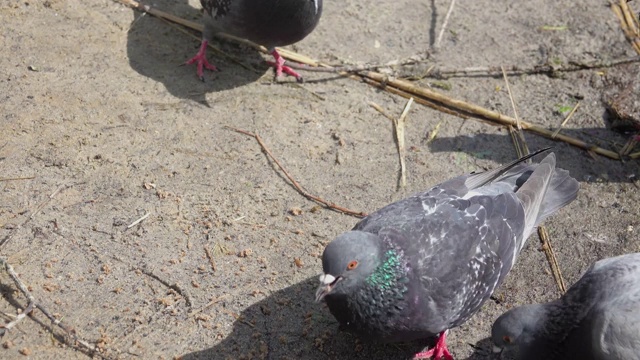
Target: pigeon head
<point x="346" y="261"/>
<point x="514" y="330"/>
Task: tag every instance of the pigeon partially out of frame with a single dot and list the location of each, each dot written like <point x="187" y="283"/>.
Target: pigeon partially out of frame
<point x="598" y="318"/>
<point x="266" y="22"/>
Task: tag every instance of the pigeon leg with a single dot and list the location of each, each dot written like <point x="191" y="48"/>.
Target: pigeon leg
<point x="438" y="352"/>
<point x="280" y="67"/>
<point x="201" y="60"/>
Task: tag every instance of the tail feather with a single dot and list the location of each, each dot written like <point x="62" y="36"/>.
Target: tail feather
<point x="546" y="190"/>
<point x="477" y="180"/>
<point x="534" y="190"/>
<point x="562" y="190"/>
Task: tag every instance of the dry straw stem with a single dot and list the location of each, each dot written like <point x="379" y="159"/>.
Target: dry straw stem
<point x="513" y="102"/>
<point x="478" y="112"/>
<point x="295" y="184"/>
<point x="444" y="23"/>
<point x="628" y="22"/>
<point x="18" y="178"/>
<point x="543" y="69"/>
<point x="404" y="88"/>
<point x="398" y="129"/>
<point x="566" y="120"/>
<point x="402" y="153"/>
<point x="551" y="258"/>
<point x="516" y="135"/>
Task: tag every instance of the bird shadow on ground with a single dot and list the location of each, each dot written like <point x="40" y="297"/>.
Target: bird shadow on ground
<point x="483" y="350"/>
<point x="289" y="324"/>
<point x="156" y="49"/>
<point x="579" y="163"/>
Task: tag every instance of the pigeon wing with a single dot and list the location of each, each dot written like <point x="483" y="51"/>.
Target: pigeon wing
<point x="457" y="254"/>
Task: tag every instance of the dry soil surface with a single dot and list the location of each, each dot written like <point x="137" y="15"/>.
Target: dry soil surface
<point x="96" y="112"/>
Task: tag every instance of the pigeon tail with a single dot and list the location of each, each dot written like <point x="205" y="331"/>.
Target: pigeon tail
<point x="477" y="180"/>
<point x="562" y="190"/>
<point x="546" y="190"/>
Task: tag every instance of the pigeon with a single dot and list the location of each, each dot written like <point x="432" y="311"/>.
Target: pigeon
<point x="598" y="318"/>
<point x="267" y="22"/>
<point x="423" y="265"/>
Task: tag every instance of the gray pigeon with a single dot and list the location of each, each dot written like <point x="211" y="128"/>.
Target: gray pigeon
<point x="267" y="22"/>
<point x="597" y="319"/>
<point x="425" y="264"/>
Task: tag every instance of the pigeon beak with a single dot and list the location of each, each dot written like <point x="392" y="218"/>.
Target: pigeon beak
<point x="327" y="282"/>
<point x="497" y="349"/>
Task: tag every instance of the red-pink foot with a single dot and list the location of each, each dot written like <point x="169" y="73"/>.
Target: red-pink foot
<point x="201" y="60"/>
<point x="280" y="67"/>
<point x="438" y="352"/>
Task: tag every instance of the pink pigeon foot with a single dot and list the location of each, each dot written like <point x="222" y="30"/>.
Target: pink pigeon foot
<point x="201" y="60"/>
<point x="280" y="67"/>
<point x="438" y="352"/>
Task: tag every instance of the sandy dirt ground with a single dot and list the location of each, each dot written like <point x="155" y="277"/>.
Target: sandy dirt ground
<point x="95" y="111"/>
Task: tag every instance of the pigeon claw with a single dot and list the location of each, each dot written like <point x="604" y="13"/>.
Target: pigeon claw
<point x="201" y="61"/>
<point x="280" y="67"/>
<point x="438" y="352"/>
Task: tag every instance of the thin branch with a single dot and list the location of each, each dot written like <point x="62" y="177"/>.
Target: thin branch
<point x="8" y="326"/>
<point x="84" y="345"/>
<point x="295" y="184"/>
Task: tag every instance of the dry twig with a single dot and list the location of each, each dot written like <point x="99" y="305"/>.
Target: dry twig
<point x="84" y="345"/>
<point x="209" y="304"/>
<point x="295" y="184"/>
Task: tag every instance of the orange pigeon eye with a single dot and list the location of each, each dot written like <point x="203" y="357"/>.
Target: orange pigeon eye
<point x="352" y="265"/>
<point x="506" y="339"/>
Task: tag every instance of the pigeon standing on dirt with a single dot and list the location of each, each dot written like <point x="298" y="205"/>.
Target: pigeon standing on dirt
<point x="425" y="264"/>
<point x="267" y="22"/>
<point x="597" y="319"/>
